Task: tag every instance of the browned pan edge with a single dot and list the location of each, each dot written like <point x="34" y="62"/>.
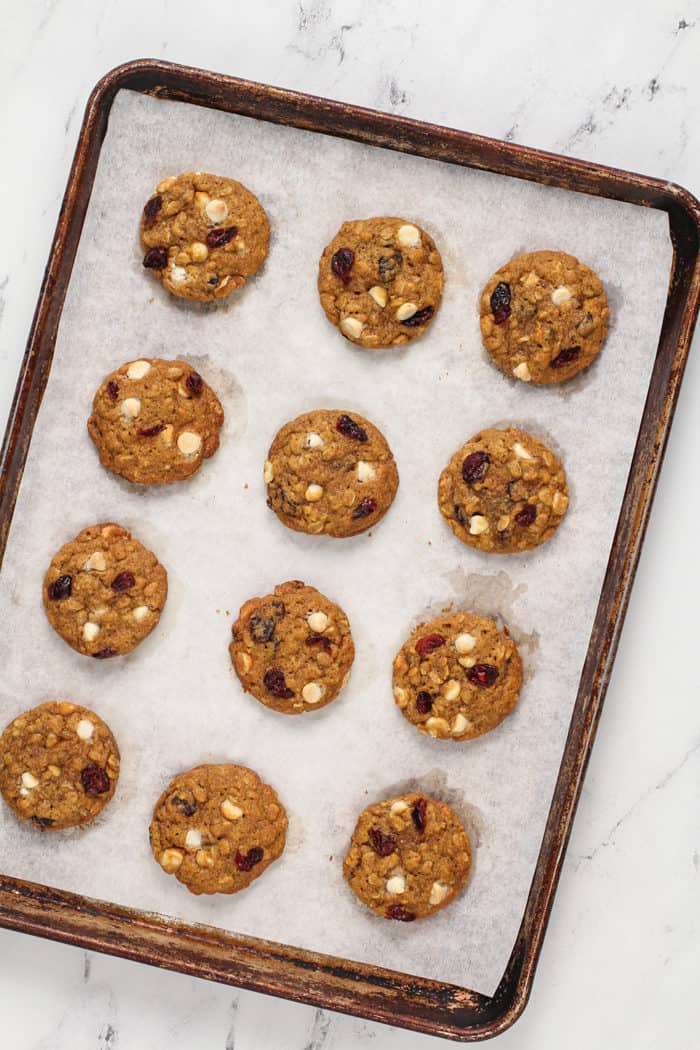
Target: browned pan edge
<point x="321" y="980"/>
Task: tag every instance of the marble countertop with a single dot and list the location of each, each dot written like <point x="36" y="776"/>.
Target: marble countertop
<point x="614" y="83"/>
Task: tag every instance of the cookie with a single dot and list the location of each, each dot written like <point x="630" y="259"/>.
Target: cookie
<point x="104" y="592"/>
<point x="544" y="317"/>
<point x="329" y="472"/>
<point x="457" y="677"/>
<point x="217" y="827"/>
<point x="380" y="281"/>
<point x="59" y="765"/>
<point x="408" y="858"/>
<point x="154" y="422"/>
<point x="203" y="235"/>
<point x="503" y="492"/>
<point x="293" y="649"/>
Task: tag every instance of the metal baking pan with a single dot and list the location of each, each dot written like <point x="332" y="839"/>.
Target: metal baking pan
<point x="338" y="984"/>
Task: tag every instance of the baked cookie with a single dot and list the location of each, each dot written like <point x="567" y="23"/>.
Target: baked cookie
<point x="216" y="828"/>
<point x="59" y="765"/>
<point x="293" y="649"/>
<point x="457" y="677"/>
<point x="503" y="492"/>
<point x="330" y="472"/>
<point x="104" y="592"/>
<point x="203" y="235"/>
<point x="155" y="421"/>
<point x="380" y="281"/>
<point x="544" y="317"/>
<point x="409" y="856"/>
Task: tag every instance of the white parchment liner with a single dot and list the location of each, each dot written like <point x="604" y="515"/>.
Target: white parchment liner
<point x="271" y="354"/>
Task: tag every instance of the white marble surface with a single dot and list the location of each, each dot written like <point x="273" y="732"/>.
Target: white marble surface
<point x="609" y="82"/>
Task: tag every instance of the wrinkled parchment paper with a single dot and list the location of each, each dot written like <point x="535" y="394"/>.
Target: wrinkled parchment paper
<point x="271" y="354"/>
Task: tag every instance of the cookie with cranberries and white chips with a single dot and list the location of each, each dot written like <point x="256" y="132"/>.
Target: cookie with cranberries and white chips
<point x="104" y="591"/>
<point x="503" y="492"/>
<point x="59" y="765"/>
<point x="216" y="828"/>
<point x="409" y="857"/>
<point x="544" y="317"/>
<point x="154" y="422"/>
<point x="203" y="235"/>
<point x="380" y="281"/>
<point x="330" y="472"/>
<point x="457" y="677"/>
<point x="293" y="649"/>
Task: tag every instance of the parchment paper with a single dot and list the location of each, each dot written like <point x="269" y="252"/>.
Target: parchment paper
<point x="271" y="354"/>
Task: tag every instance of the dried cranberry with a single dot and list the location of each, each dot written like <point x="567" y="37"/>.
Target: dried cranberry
<point x="428" y="643"/>
<point x="246" y="861"/>
<point x="319" y="639"/>
<point x="105" y="654"/>
<point x="149" y="432"/>
<point x="389" y="266"/>
<point x="194" y="384"/>
<point x="424" y="702"/>
<point x="217" y="238"/>
<point x="419" y="317"/>
<point x="61" y="588"/>
<point x="342" y="263"/>
<point x="500" y="302"/>
<point x="123" y="581"/>
<point x="43" y="822"/>
<point x="527" y="514"/>
<point x="418" y="814"/>
<point x="213" y="280"/>
<point x="112" y="390"/>
<point x="275" y="683"/>
<point x="151" y="209"/>
<point x="365" y="508"/>
<point x="350" y="428"/>
<point x="475" y="466"/>
<point x="262" y="628"/>
<point x="565" y="357"/>
<point x="397" y="911"/>
<point x="382" y="844"/>
<point x="156" y="259"/>
<point x="186" y="806"/>
<point x="94" y="780"/>
<point x="482" y="674"/>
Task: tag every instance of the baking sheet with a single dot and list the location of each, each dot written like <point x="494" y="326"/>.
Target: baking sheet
<point x="271" y="354"/>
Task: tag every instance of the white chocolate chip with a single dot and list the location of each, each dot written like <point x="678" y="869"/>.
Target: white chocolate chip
<point x="559" y="502"/>
<point x="193" y="839"/>
<point x="166" y="435"/>
<point x="90" y="631"/>
<point x="170" y="860"/>
<point x="521" y="371"/>
<point x="379" y="295"/>
<point x="451" y="689"/>
<point x="317" y="621"/>
<point x="268" y="472"/>
<point x="189" y="443"/>
<point x="365" y="471"/>
<point x="396" y="884"/>
<point x="140" y="613"/>
<point x="95" y="563"/>
<point x="85" y="729"/>
<point x="199" y="251"/>
<point x="561" y="295"/>
<point x="400" y="696"/>
<point x="465" y="642"/>
<point x="460" y="724"/>
<point x="408" y="236"/>
<point x="521" y="452"/>
<point x="502" y="523"/>
<point x="166" y="184"/>
<point x="352" y="327"/>
<point x="201" y="198"/>
<point x="313" y="440"/>
<point x="230" y="810"/>
<point x="216" y="211"/>
<point x="178" y="274"/>
<point x="466" y="661"/>
<point x="130" y="407"/>
<point x="174" y="372"/>
<point x="477" y="525"/>
<point x="312" y="692"/>
<point x="29" y="781"/>
<point x="399" y="806"/>
<point x="138" y="370"/>
<point x="437" y="726"/>
<point x="405" y="311"/>
<point x="438" y="892"/>
<point x="313" y="493"/>
<point x="243" y="662"/>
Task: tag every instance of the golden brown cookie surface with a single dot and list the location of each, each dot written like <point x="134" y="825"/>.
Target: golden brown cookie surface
<point x="104" y="591"/>
<point x="408" y="858"/>
<point x="203" y="235"/>
<point x="330" y="472"/>
<point x="293" y="649"/>
<point x="503" y="492"/>
<point x="544" y="317"/>
<point x="59" y="765"/>
<point x="457" y="677"/>
<point x="380" y="281"/>
<point x="154" y="421"/>
<point x="217" y="827"/>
